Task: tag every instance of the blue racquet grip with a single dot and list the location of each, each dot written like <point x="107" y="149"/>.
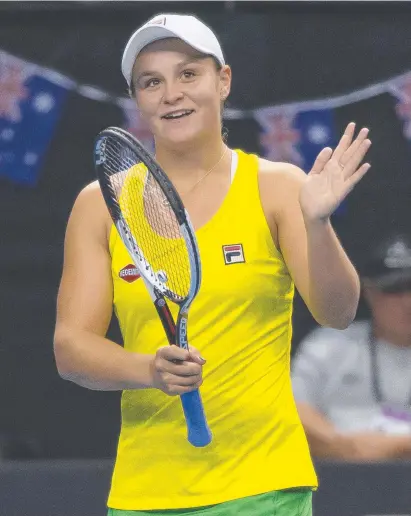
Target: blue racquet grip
<point x="199" y="433"/>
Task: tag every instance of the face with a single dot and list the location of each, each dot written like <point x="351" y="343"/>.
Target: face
<point x="179" y="92"/>
<point x="391" y="312"/>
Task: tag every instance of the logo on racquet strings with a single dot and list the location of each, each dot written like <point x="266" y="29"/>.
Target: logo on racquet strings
<point x="129" y="273"/>
<point x="233" y="254"/>
<point x="99" y="152"/>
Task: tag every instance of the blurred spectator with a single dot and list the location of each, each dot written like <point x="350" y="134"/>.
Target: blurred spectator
<point x="353" y="387"/>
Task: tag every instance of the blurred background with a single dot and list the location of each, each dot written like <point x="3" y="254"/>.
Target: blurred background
<point x="301" y="72"/>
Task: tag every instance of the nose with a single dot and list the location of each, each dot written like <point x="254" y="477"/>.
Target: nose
<point x="172" y="92"/>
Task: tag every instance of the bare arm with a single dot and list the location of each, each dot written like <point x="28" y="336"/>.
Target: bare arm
<point x="327" y="443"/>
<point x="84" y="306"/>
<point x="320" y="268"/>
<point x="300" y="211"/>
<point x="330" y="267"/>
<point x="324" y="440"/>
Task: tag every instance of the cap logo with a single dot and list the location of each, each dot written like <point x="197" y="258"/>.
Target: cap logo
<point x="398" y="256"/>
<point x="159" y="20"/>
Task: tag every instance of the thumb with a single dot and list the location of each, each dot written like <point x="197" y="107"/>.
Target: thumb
<point x="195" y="356"/>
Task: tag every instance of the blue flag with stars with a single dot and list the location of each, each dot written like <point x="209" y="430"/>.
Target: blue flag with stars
<point x="295" y="136"/>
<point x="30" y="106"/>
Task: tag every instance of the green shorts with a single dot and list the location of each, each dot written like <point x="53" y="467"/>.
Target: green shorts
<point x="290" y="502"/>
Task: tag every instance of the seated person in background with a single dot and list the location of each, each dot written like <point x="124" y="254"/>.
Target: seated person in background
<point x="353" y="387"/>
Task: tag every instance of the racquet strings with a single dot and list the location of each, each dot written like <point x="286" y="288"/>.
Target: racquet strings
<point x="149" y="217"/>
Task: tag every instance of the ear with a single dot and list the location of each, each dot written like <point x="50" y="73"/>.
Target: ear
<point x="225" y="82"/>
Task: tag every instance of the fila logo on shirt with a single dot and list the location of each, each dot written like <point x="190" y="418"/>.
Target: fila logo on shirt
<point x="129" y="273"/>
<point x="233" y="254"/>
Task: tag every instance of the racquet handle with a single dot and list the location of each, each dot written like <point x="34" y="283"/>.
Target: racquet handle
<point x="199" y="433"/>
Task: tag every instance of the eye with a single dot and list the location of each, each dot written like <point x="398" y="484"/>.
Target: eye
<point x="188" y="74"/>
<point x="151" y="83"/>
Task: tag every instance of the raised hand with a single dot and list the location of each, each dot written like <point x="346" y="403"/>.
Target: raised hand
<point x="334" y="174"/>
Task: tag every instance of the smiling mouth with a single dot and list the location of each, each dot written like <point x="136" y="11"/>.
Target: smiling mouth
<point x="176" y="115"/>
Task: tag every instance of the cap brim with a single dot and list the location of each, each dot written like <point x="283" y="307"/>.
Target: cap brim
<point x="141" y="39"/>
<point x="144" y="37"/>
<point x="391" y="280"/>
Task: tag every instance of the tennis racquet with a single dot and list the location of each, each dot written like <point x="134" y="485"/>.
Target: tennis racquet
<point x="155" y="228"/>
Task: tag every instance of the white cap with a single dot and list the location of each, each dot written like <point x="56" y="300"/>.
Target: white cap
<point x="185" y="27"/>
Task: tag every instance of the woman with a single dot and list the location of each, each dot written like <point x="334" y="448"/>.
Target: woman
<point x="258" y="462"/>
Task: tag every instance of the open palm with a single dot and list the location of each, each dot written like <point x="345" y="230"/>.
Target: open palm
<point x="334" y="174"/>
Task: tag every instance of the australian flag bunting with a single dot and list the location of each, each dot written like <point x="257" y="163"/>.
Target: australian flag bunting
<point x="31" y="102"/>
<point x="295" y="136"/>
<point x="401" y="90"/>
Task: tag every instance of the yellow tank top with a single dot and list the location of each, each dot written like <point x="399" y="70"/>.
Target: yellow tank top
<point x="240" y="322"/>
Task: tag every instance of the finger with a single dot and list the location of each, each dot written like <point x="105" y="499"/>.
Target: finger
<point x="180" y="369"/>
<point x="357" y="176"/>
<point x="355" y="160"/>
<point x="195" y="356"/>
<point x="362" y="135"/>
<point x="179" y="390"/>
<point x="173" y="353"/>
<point x="321" y="160"/>
<point x="181" y="381"/>
<point x="345" y="141"/>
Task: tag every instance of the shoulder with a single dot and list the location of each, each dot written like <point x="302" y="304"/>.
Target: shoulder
<point x="279" y="185"/>
<point x="279" y="171"/>
<point x="90" y="209"/>
<point x="275" y="172"/>
<point x="91" y="193"/>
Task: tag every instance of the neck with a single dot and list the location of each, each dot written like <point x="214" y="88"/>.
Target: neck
<point x="392" y="337"/>
<point x="187" y="163"/>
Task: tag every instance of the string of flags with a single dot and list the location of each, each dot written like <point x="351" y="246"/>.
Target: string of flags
<point x="32" y="99"/>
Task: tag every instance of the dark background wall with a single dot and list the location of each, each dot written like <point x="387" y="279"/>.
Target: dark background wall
<point x="279" y="53"/>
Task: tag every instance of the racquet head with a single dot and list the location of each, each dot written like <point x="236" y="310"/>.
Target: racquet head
<point x="149" y="215"/>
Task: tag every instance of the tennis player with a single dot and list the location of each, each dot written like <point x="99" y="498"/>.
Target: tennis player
<point x="261" y="228"/>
